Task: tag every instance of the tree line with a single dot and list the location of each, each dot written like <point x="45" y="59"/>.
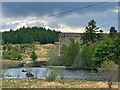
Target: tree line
<point x="30" y="35"/>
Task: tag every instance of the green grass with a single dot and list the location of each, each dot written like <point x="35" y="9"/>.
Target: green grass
<point x="55" y="67"/>
<point x="42" y="59"/>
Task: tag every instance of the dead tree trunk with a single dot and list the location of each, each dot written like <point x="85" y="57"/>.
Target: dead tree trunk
<point x="110" y="84"/>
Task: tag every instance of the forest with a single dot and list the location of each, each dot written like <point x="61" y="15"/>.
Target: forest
<point x="30" y="35"/>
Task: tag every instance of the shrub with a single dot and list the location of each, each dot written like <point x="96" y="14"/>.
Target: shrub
<point x="52" y="76"/>
<point x="109" y="70"/>
<point x="33" y="56"/>
<point x="53" y="55"/>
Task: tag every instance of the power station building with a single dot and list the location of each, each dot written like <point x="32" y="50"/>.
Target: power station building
<point x="66" y="38"/>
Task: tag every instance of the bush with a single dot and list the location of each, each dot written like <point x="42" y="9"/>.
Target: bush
<point x="52" y="76"/>
<point x="109" y="70"/>
<point x="33" y="56"/>
<point x="54" y="58"/>
<point x="15" y="55"/>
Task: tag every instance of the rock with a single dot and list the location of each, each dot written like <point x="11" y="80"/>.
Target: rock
<point x="29" y="74"/>
<point x="24" y="70"/>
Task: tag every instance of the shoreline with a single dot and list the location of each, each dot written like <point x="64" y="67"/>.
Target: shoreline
<point x="40" y="83"/>
<point x="8" y="64"/>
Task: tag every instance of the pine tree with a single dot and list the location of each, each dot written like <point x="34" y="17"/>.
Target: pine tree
<point x="90" y="34"/>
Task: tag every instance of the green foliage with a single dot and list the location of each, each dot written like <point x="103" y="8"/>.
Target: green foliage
<point x="16" y="51"/>
<point x="15" y="55"/>
<point x="30" y="35"/>
<point x="84" y="58"/>
<point x="113" y="32"/>
<point x="11" y="52"/>
<point x="117" y="49"/>
<point x="91" y="33"/>
<point x="33" y="56"/>
<point x="52" y="76"/>
<point x="107" y="50"/>
<point x="6" y="54"/>
<point x="70" y="52"/>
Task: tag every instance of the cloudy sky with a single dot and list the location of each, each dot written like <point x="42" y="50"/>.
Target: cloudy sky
<point x="29" y="14"/>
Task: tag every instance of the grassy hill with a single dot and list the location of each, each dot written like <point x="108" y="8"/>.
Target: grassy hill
<point x="14" y="51"/>
<point x="42" y="50"/>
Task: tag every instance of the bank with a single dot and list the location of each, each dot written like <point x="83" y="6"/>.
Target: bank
<point x="40" y="83"/>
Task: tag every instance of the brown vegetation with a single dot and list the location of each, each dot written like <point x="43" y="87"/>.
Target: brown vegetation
<point x="37" y="83"/>
<point x="10" y="63"/>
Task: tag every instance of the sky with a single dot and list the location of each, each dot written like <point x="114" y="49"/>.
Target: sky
<point x="29" y="14"/>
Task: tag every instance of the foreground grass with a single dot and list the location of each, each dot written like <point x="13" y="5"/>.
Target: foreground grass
<point x="37" y="83"/>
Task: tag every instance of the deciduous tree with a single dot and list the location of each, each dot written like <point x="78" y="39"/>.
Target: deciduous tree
<point x="109" y="70"/>
<point x="70" y="52"/>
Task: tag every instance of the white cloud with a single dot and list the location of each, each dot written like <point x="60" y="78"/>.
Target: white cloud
<point x="66" y="28"/>
<point x="72" y="22"/>
<point x="42" y="22"/>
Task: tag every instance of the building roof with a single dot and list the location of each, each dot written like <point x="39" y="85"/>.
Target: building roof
<point x="69" y="35"/>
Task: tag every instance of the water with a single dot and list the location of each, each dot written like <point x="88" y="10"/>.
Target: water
<point x="44" y="72"/>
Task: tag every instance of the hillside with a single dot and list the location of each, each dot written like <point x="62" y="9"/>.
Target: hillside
<point x="23" y="51"/>
<point x="30" y="35"/>
<point x="42" y="50"/>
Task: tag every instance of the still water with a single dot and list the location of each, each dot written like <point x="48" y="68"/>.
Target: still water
<point x="44" y="72"/>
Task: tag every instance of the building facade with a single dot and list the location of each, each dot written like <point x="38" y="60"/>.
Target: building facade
<point x="66" y="38"/>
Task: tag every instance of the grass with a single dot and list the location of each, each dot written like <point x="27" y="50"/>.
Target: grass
<point x="10" y="63"/>
<point x="15" y="63"/>
<point x="38" y="83"/>
<point x="42" y="49"/>
<point x="42" y="59"/>
<point x="55" y="67"/>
